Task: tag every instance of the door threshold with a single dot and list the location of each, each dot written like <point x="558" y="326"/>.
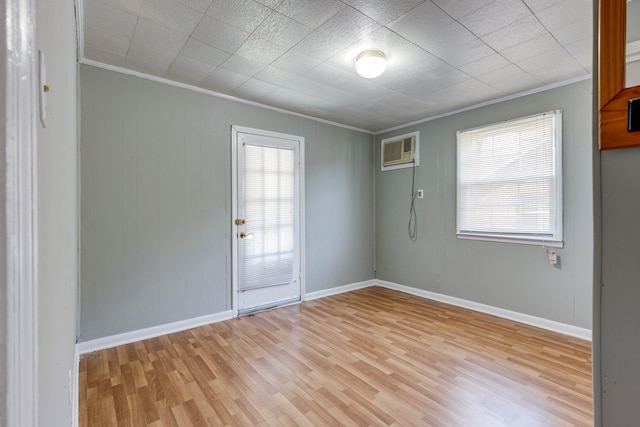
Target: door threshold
<point x="270" y="306"/>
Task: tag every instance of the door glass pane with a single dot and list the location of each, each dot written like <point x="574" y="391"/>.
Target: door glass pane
<point x="267" y="257"/>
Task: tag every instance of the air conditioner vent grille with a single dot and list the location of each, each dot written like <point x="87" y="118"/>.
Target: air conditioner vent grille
<point x="398" y="151"/>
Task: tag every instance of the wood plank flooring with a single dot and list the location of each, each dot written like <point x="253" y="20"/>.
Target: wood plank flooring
<point x="372" y="357"/>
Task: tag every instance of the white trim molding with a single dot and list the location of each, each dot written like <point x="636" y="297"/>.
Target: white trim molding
<point x="18" y="222"/>
<point x="75" y="389"/>
<point x="538" y="322"/>
<point x="339" y="290"/>
<point x="156" y="331"/>
<point x="152" y="332"/>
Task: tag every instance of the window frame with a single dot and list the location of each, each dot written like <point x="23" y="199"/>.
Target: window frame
<point x="548" y="240"/>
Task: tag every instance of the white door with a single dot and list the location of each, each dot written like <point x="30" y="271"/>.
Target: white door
<point x="267" y="220"/>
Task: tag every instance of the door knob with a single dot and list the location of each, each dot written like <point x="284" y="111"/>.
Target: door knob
<point x="244" y="235"/>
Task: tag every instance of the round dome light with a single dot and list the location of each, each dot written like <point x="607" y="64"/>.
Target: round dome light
<point x="371" y="63"/>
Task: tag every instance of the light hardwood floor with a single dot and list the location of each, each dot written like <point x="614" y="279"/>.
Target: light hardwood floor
<point x="364" y="358"/>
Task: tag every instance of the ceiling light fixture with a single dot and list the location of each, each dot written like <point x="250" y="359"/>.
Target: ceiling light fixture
<point x="371" y="63"/>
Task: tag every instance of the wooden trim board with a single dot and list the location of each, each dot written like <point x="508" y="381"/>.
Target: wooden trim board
<point x="612" y="95"/>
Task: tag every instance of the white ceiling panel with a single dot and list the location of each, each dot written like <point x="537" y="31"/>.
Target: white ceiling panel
<point x="494" y="16"/>
<point x="199" y="5"/>
<point x="219" y="35"/>
<point x="241" y="65"/>
<point x="437" y="83"/>
<point x="321" y="47"/>
<point x="224" y="81"/>
<point x="102" y="56"/>
<point x="384" y="11"/>
<point x="466" y="53"/>
<point x="459" y="8"/>
<point x="273" y="4"/>
<point x="579" y="30"/>
<point x="188" y="70"/>
<point x="144" y="67"/>
<point x="311" y="87"/>
<point x="328" y="74"/>
<point x="371" y="92"/>
<point x="295" y="62"/>
<point x="243" y="14"/>
<point x="152" y="54"/>
<point x="113" y="43"/>
<point x="130" y="6"/>
<point x="159" y="37"/>
<point x="195" y="49"/>
<point x="440" y="40"/>
<point x="531" y="48"/>
<point x="515" y="33"/>
<point x="286" y="98"/>
<point x="259" y="50"/>
<point x="564" y="13"/>
<point x="425" y="18"/>
<point x="510" y="79"/>
<point x="538" y="5"/>
<point x="312" y="13"/>
<point x="549" y="65"/>
<point x="171" y="14"/>
<point x="457" y="96"/>
<point x="282" y="30"/>
<point x="349" y="24"/>
<point x="275" y="76"/>
<point x="299" y="54"/>
<point x="580" y="47"/>
<point x="108" y="20"/>
<point x="254" y="89"/>
<point x="397" y="102"/>
<point x="489" y="63"/>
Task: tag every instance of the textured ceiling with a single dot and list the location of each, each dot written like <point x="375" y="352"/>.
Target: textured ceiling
<point x="299" y="55"/>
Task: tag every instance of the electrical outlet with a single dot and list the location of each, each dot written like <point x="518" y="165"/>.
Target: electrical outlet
<point x="553" y="256"/>
<point x="420" y="194"/>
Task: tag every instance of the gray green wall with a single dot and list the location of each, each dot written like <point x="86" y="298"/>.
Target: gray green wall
<point x="620" y="291"/>
<point x="504" y="275"/>
<point x="633" y="13"/>
<point x="156" y="201"/>
<point x="57" y="213"/>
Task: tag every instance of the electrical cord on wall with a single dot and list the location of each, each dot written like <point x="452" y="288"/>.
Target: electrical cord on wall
<point x="413" y="216"/>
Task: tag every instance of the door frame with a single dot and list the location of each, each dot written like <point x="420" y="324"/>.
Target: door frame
<point x="18" y="218"/>
<point x="234" y="207"/>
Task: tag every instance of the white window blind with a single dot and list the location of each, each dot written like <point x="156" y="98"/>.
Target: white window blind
<point x="269" y="211"/>
<point x="510" y="180"/>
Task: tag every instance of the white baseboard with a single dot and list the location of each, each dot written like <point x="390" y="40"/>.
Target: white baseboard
<point x="338" y="290"/>
<point x="155" y="331"/>
<point x="75" y="381"/>
<point x="539" y="322"/>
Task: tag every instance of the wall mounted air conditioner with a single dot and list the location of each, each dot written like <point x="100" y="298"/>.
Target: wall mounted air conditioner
<point x="400" y="151"/>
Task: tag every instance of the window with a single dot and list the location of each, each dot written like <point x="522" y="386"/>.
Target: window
<point x="510" y="181"/>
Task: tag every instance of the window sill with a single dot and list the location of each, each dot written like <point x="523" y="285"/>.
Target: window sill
<point x="528" y="240"/>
